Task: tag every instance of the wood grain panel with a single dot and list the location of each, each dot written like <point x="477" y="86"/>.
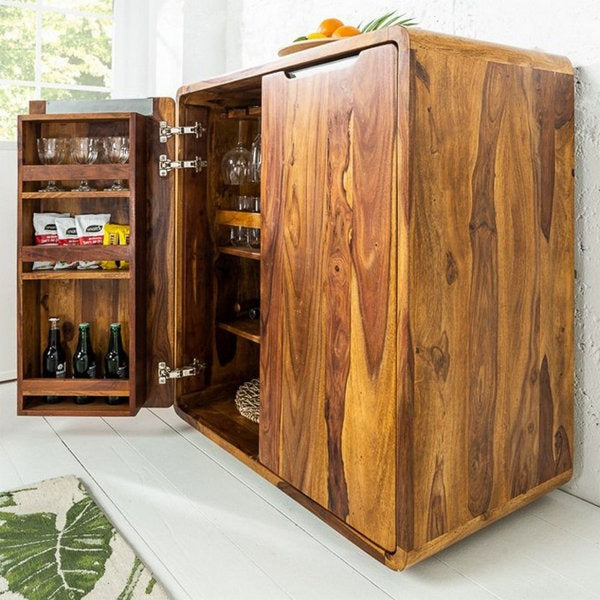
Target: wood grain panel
<point x="491" y="298"/>
<point x="328" y="292"/>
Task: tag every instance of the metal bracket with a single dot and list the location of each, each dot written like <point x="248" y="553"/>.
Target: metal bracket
<point x="165" y="164"/>
<point x="165" y="130"/>
<point x="165" y="373"/>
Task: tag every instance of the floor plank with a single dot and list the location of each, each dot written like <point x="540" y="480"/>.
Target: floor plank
<point x="210" y="528"/>
<point x="299" y="564"/>
<point x="432" y="579"/>
<point x="203" y="560"/>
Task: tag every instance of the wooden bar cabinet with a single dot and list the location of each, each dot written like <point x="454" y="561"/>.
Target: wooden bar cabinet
<point x="415" y="276"/>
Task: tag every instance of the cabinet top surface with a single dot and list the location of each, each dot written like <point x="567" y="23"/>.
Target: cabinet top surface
<point x="406" y="39"/>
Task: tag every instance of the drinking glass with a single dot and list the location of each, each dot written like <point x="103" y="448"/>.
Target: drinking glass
<point x="255" y="152"/>
<point x="85" y="152"/>
<point x="52" y="151"/>
<point x="235" y="165"/>
<point x="116" y="149"/>
<point x="254" y="238"/>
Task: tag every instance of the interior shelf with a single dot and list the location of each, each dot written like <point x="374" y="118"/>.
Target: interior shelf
<point x="40" y="386"/>
<point x="238" y="217"/>
<point x="73" y="253"/>
<point x="242" y="252"/>
<point x="246" y="328"/>
<point x="74" y="274"/>
<point x="213" y="411"/>
<point x="250" y="112"/>
<point x="60" y="172"/>
<point x="75" y="194"/>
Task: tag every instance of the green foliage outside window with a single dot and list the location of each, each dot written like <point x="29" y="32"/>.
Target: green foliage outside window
<point x="75" y="49"/>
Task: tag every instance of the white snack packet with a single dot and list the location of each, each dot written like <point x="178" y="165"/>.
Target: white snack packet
<point x="44" y="229"/>
<point x="67" y="236"/>
<point x="90" y="231"/>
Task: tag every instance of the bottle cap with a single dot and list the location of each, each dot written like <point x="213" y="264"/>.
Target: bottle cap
<point x="115" y="325"/>
<point x="84" y="325"/>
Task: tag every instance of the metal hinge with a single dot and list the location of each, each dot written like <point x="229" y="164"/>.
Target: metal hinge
<point x="165" y="130"/>
<point x="165" y="373"/>
<point x="165" y="164"/>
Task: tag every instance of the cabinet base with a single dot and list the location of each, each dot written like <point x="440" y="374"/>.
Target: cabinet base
<point x="198" y="417"/>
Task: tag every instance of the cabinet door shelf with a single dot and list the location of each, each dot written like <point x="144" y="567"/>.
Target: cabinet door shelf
<point x="72" y="253"/>
<point x="74" y="274"/>
<point x="68" y="408"/>
<point x="247" y="328"/>
<point x="40" y="386"/>
<point x="62" y="172"/>
<point x="75" y="194"/>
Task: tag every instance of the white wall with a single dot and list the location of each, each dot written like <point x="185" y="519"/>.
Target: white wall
<point x="569" y="28"/>
<point x="8" y="260"/>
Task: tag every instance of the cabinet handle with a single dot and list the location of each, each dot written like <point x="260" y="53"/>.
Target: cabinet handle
<point x="333" y="65"/>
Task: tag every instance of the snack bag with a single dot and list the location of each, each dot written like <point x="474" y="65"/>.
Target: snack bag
<point x="90" y="231"/>
<point x="44" y="228"/>
<point x="66" y="231"/>
<point x="111" y="238"/>
<point x="124" y="241"/>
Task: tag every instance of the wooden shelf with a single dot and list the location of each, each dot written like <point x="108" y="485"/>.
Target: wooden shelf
<point x="214" y="413"/>
<point x="60" y="172"/>
<point x="72" y="253"/>
<point x="68" y="408"/>
<point x="250" y="112"/>
<point x="242" y="252"/>
<point x="246" y="328"/>
<point x="238" y="218"/>
<point x="74" y="274"/>
<point x="40" y="386"/>
<point x="75" y="194"/>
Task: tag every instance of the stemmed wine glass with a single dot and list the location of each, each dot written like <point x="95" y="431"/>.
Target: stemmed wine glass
<point x="85" y="152"/>
<point x="116" y="149"/>
<point x="52" y="151"/>
<point x="255" y="152"/>
<point x="235" y="165"/>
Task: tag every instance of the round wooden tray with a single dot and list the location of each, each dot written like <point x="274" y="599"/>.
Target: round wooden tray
<point x="304" y="45"/>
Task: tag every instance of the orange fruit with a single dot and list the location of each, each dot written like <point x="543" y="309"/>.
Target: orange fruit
<point x="345" y="31"/>
<point x="315" y="36"/>
<point x="328" y="26"/>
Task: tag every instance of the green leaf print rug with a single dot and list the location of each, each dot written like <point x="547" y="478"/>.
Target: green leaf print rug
<point x="56" y="544"/>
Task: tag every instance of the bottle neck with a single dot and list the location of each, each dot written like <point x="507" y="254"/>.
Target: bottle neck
<point x="53" y="337"/>
<point x="116" y="342"/>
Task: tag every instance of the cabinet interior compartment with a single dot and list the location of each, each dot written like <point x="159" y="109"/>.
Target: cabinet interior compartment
<point x="215" y="274"/>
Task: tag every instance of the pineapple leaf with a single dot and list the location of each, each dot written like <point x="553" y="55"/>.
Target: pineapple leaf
<point x="387" y="20"/>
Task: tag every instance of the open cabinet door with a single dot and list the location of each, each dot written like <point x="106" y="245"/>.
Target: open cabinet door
<point x="160" y="274"/>
<point x="328" y="286"/>
<point x="136" y="285"/>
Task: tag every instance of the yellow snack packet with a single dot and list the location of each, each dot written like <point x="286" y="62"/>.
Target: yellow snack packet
<point x="111" y="238"/>
<point x="123" y="241"/>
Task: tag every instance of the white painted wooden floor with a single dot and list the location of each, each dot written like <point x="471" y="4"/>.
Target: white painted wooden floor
<point x="209" y="528"/>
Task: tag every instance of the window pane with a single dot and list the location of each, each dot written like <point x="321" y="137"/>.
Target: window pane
<point x="95" y="6"/>
<point x="17" y="43"/>
<point x="54" y="94"/>
<point x="14" y="100"/>
<point x="76" y="50"/>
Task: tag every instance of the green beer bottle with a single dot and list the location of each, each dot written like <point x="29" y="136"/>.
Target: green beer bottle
<point x="116" y="362"/>
<point x="84" y="360"/>
<point x="54" y="360"/>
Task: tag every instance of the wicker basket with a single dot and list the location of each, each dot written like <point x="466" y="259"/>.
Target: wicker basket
<point x="247" y="400"/>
